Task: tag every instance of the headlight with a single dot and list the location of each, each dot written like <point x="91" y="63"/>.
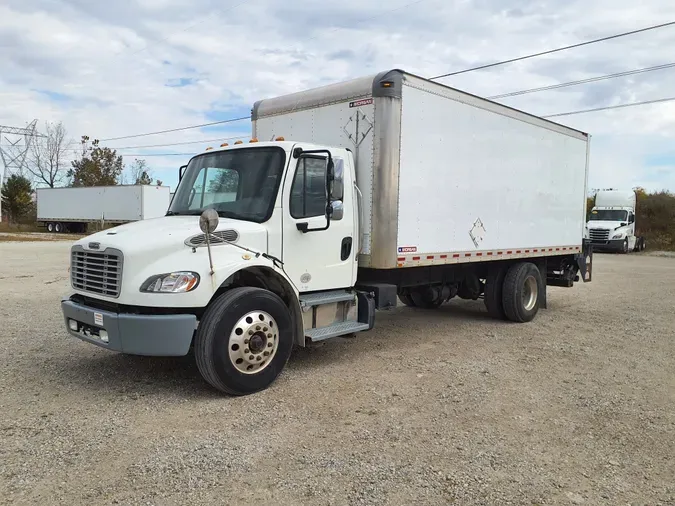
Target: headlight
<point x="618" y="236"/>
<point x="173" y="282"/>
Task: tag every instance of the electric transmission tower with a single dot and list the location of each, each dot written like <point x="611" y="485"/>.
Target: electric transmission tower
<point x="14" y="145"/>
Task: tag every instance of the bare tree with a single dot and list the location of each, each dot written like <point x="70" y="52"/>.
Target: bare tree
<point x="48" y="156"/>
<point x="140" y="173"/>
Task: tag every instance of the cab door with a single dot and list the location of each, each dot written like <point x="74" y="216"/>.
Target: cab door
<point x="318" y="250"/>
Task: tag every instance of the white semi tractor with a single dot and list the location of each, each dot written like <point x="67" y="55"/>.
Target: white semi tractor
<point x="611" y="223"/>
<point x="385" y="187"/>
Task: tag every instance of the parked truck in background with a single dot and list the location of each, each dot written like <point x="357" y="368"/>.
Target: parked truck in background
<point x="611" y="222"/>
<point x="72" y="209"/>
<point x="388" y="186"/>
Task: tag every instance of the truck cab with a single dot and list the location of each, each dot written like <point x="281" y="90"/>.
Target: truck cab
<point x="611" y="222"/>
<point x="282" y="219"/>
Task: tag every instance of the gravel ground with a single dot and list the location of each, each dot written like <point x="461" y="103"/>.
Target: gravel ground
<point x="431" y="407"/>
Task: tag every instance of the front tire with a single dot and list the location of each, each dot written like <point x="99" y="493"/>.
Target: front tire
<point x="244" y="341"/>
<point x="624" y="248"/>
<point x="520" y="297"/>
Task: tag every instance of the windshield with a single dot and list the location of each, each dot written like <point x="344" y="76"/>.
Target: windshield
<point x="609" y="215"/>
<point x="240" y="184"/>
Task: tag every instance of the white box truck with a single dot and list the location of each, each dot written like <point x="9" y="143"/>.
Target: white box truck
<point x="70" y="209"/>
<point x="385" y="187"/>
<point x="611" y="223"/>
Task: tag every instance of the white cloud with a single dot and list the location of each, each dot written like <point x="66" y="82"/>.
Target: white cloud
<point x="108" y="69"/>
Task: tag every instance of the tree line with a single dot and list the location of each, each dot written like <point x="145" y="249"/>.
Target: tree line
<point x="48" y="165"/>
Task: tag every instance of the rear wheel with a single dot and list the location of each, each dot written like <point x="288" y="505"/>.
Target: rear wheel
<point x="406" y="299"/>
<point x="520" y="292"/>
<point x="244" y="341"/>
<point x="493" y="292"/>
<point x="58" y="228"/>
<point x="426" y="297"/>
<point x="50" y="227"/>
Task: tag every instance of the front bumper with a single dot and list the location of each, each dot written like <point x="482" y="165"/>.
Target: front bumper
<point x="153" y="335"/>
<point x="611" y="245"/>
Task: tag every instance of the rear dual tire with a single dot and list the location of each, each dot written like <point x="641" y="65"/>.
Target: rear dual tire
<point x="513" y="293"/>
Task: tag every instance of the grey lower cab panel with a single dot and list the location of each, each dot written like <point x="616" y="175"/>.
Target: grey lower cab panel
<point x="335" y="330"/>
<point x="319" y="298"/>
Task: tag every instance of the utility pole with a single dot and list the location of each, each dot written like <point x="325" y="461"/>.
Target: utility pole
<point x="14" y="145"/>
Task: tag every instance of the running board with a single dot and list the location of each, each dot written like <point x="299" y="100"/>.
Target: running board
<point x="320" y="298"/>
<point x="335" y="330"/>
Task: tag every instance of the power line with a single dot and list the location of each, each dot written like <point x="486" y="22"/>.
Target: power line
<point x="564" y="48"/>
<point x="409" y="4"/>
<point x="231" y="120"/>
<point x="219" y="139"/>
<point x="584" y="81"/>
<point x="620" y="106"/>
<point x="138" y="155"/>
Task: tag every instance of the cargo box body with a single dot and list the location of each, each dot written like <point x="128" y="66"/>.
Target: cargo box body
<point x="111" y="204"/>
<point x="447" y="177"/>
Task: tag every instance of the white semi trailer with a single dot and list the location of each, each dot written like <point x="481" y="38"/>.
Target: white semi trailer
<point x="70" y="209"/>
<point x="388" y="186"/>
<point x="611" y="223"/>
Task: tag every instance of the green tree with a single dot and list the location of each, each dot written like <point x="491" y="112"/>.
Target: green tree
<point x="16" y="197"/>
<point x="225" y="182"/>
<point x="98" y="166"/>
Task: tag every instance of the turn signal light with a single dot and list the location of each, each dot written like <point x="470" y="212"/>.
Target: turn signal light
<point x="253" y="140"/>
<point x="279" y="139"/>
<point x="224" y="145"/>
<point x="239" y="142"/>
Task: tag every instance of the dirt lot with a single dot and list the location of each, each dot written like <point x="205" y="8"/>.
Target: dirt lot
<point x="435" y="407"/>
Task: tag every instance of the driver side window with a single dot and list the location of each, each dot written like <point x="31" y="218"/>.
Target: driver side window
<point x="631" y="218"/>
<point x="308" y="193"/>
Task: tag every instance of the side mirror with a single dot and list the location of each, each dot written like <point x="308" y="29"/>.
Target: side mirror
<point x="337" y="210"/>
<point x="338" y="185"/>
<point x="181" y="171"/>
<point x="623" y="224"/>
<point x="208" y="221"/>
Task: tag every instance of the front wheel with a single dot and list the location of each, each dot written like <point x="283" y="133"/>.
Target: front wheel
<point x="244" y="341"/>
<point x="624" y="248"/>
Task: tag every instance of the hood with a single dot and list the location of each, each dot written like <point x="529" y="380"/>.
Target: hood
<point x="605" y="225"/>
<point x="171" y="232"/>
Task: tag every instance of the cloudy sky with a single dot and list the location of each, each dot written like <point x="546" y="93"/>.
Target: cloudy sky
<point x="122" y="67"/>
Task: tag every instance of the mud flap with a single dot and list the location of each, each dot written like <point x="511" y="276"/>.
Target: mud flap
<point x="584" y="261"/>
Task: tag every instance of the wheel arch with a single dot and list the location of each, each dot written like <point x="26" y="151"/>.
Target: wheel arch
<point x="260" y="276"/>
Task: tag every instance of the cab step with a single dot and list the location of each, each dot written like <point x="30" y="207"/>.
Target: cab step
<point x="335" y="330"/>
<point x="320" y="298"/>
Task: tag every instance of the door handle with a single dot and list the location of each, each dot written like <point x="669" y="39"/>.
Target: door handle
<point x="346" y="248"/>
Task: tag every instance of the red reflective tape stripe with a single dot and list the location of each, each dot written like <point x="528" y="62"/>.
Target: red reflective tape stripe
<point x="416" y="258"/>
<point x="527" y="251"/>
<point x="489" y="253"/>
<point x="430" y="257"/>
<point x="456" y="255"/>
<point x="467" y="254"/>
<point x="557" y="249"/>
<point x="499" y="252"/>
<point x="479" y="254"/>
<point x="444" y="256"/>
<point x="518" y="251"/>
<point x="401" y="259"/>
<point x="509" y="252"/>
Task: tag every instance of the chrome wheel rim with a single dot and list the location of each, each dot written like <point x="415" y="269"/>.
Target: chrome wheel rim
<point x="253" y="343"/>
<point x="530" y="293"/>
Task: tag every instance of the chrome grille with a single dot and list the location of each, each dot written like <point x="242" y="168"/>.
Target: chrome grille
<point x="219" y="237"/>
<point x="96" y="272"/>
<point x="598" y="234"/>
